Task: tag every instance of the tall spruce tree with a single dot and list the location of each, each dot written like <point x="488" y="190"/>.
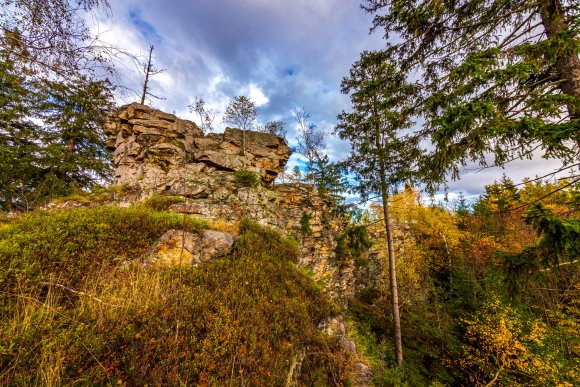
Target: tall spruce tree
<point x="52" y="106"/>
<point x="380" y="99"/>
<point x="20" y="139"/>
<point x="499" y="77"/>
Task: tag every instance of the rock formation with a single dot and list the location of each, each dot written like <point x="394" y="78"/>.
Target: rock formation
<point x="158" y="153"/>
<point x="155" y="151"/>
<point x="177" y="247"/>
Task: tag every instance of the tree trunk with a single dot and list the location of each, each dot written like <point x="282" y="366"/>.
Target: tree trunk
<point x="567" y="66"/>
<point x="397" y="337"/>
<point x="147" y="72"/>
<point x="243" y="142"/>
<point x="145" y="88"/>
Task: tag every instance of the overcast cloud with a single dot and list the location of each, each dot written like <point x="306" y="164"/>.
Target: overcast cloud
<point x="282" y="54"/>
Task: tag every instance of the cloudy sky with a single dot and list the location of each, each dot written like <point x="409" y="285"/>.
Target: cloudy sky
<point x="282" y="54"/>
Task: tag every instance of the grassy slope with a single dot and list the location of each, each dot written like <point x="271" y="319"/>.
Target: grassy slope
<point x="77" y="306"/>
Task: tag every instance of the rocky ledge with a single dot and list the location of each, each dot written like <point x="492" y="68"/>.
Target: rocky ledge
<point x="156" y="151"/>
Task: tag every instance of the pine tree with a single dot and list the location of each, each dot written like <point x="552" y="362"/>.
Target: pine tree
<point x="380" y="102"/>
<point x="20" y="139"/>
<point x="75" y="112"/>
<point x="52" y="107"/>
<point x="498" y="77"/>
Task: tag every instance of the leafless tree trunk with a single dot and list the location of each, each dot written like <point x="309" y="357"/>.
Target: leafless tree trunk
<point x="149" y="70"/>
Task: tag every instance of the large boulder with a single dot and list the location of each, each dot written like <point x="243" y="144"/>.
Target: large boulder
<point x="177" y="247"/>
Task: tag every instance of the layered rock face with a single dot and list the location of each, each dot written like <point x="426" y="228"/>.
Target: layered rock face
<point x="155" y="151"/>
<point x="158" y="153"/>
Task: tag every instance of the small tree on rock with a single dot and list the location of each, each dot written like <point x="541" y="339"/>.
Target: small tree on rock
<point x="277" y="128"/>
<point x="206" y="116"/>
<point x="310" y="141"/>
<point x="242" y="113"/>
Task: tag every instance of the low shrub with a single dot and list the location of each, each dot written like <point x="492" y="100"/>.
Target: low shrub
<point x="245" y="178"/>
<point x="75" y="244"/>
<point x="162" y="202"/>
<point x="241" y="320"/>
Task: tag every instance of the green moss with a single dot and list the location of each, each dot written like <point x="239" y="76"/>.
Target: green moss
<point x="245" y="178"/>
<point x="162" y="202"/>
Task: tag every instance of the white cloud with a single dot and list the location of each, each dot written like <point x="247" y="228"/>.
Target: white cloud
<point x="257" y="95"/>
<point x="281" y="54"/>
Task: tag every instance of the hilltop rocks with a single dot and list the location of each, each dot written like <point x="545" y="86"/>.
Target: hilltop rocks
<point x="158" y="153"/>
<point x="154" y="151"/>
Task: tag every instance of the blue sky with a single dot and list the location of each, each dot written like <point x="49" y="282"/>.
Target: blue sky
<point x="282" y="54"/>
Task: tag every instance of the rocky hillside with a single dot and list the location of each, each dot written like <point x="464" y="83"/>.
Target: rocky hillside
<point x="230" y="176"/>
<point x="83" y="301"/>
<point x="194" y="267"/>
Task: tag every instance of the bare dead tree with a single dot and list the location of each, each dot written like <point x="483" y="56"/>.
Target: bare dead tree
<point x="149" y="70"/>
<point x="206" y="116"/>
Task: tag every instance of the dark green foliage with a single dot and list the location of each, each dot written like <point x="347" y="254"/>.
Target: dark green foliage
<point x="380" y="157"/>
<point x="73" y="245"/>
<point x="331" y="179"/>
<point x="75" y="113"/>
<point x="381" y="101"/>
<point x="245" y="178"/>
<point x="305" y="228"/>
<point x="52" y="106"/>
<point x="498" y="77"/>
<point x="559" y="243"/>
<point x="162" y="202"/>
<point x="19" y="138"/>
<point x="353" y="243"/>
<point x="63" y="151"/>
<point x="430" y="340"/>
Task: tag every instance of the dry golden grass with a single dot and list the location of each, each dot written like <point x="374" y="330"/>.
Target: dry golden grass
<point x="224" y="225"/>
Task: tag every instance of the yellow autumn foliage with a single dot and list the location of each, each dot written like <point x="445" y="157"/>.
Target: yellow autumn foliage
<point x="503" y="346"/>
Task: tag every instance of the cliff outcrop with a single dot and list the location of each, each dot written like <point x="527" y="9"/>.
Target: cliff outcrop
<point x="158" y="153"/>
